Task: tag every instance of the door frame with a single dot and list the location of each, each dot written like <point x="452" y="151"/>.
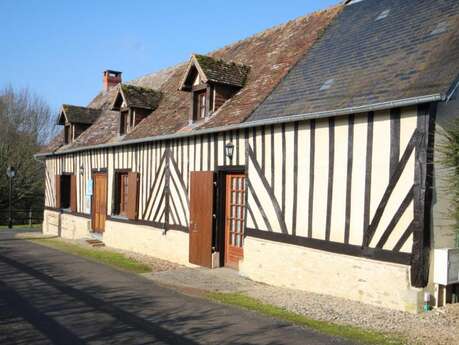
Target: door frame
<point x="218" y="235"/>
<point x="95" y="171"/>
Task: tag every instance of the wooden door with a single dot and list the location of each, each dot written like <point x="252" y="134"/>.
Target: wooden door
<point x="234" y="219"/>
<point x="201" y="217"/>
<point x="99" y="202"/>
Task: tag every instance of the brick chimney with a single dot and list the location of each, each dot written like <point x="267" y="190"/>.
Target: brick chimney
<point x="111" y="79"/>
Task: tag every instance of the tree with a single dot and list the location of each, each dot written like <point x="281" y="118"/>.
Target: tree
<point x="449" y="160"/>
<point x="25" y="125"/>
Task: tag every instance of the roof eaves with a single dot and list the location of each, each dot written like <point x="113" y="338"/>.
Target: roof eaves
<point x="264" y="122"/>
<point x="193" y="62"/>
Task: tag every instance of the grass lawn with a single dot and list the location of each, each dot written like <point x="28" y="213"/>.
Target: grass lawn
<point x="349" y="332"/>
<point x="104" y="256"/>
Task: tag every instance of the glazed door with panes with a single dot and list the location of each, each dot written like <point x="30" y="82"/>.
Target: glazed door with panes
<point x="234" y="219"/>
<point x="99" y="202"/>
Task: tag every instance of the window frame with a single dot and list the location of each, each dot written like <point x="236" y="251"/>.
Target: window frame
<point x="65" y="181"/>
<point x="120" y="199"/>
<point x="200" y="110"/>
<point x="67" y="134"/>
<point x="124" y="122"/>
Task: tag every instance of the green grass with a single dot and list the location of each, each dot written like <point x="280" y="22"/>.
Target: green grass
<point x="107" y="257"/>
<point x="349" y="332"/>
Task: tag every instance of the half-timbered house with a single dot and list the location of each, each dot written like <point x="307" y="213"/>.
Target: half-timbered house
<point x="301" y="156"/>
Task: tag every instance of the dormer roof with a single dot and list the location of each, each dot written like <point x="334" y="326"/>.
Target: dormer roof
<point x="76" y="114"/>
<point x="136" y="97"/>
<point x="214" y="70"/>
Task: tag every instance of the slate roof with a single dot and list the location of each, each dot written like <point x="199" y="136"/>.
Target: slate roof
<point x="219" y="71"/>
<point x="412" y="52"/>
<point x="139" y="97"/>
<point x="77" y="114"/>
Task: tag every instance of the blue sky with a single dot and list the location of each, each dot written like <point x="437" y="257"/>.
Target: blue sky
<point x="60" y="48"/>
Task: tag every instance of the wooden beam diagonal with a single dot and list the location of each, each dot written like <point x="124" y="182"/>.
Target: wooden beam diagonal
<point x="269" y="190"/>
<point x="257" y="201"/>
<point x="398" y="214"/>
<point x="154" y="185"/>
<point x="370" y="231"/>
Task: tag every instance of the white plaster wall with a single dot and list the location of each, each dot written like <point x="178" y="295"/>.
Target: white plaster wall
<point x="373" y="282"/>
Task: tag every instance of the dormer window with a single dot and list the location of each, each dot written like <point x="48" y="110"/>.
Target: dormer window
<point x="76" y="120"/>
<point x="201" y="110"/>
<point x="124" y="122"/>
<point x="211" y="82"/>
<point x="67" y="134"/>
<point x="134" y="104"/>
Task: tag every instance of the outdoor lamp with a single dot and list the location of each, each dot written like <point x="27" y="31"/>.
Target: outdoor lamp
<point x="81" y="170"/>
<point x="229" y="150"/>
<point x="11" y="172"/>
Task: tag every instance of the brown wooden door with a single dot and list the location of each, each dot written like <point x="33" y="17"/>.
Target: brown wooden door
<point x="234" y="219"/>
<point x="201" y="217"/>
<point x="99" y="202"/>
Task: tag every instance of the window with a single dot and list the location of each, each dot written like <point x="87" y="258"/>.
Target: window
<point x="121" y="194"/>
<point x="126" y="194"/>
<point x="200" y="105"/>
<point x="66" y="193"/>
<point x="124" y="122"/>
<point x="328" y="84"/>
<point x="67" y="134"/>
<point x="383" y="14"/>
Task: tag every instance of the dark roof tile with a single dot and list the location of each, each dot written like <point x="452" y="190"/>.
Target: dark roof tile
<point x="371" y="61"/>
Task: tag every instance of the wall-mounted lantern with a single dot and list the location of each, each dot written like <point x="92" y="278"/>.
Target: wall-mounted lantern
<point x="229" y="150"/>
<point x="81" y="170"/>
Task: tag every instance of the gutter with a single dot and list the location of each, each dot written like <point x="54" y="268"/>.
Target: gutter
<point x="272" y="121"/>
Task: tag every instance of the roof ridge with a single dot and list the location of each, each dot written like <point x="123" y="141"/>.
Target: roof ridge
<point x="229" y="45"/>
<point x="274" y="28"/>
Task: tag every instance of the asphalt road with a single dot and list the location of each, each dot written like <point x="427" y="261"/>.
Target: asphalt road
<point x="49" y="297"/>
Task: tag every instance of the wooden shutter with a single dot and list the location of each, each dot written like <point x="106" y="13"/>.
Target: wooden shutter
<point x="201" y="217"/>
<point x="73" y="193"/>
<point x="57" y="180"/>
<point x="133" y="195"/>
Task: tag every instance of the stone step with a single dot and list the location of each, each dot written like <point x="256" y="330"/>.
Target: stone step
<point x="95" y="243"/>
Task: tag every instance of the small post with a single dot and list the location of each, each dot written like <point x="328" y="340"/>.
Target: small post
<point x="10" y="172"/>
<point x="10" y="219"/>
<point x="30" y="217"/>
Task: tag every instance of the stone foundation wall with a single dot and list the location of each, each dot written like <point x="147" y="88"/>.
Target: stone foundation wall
<point x="72" y="227"/>
<point x="373" y="282"/>
<point x="172" y="246"/>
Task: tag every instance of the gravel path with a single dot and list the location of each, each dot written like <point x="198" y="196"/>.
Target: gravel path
<point x="438" y="327"/>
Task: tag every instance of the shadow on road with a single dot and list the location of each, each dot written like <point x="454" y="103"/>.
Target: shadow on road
<point x="61" y="299"/>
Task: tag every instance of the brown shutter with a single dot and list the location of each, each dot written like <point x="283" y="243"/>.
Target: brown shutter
<point x="58" y="190"/>
<point x="133" y="195"/>
<point x="73" y="193"/>
<point x="201" y="217"/>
